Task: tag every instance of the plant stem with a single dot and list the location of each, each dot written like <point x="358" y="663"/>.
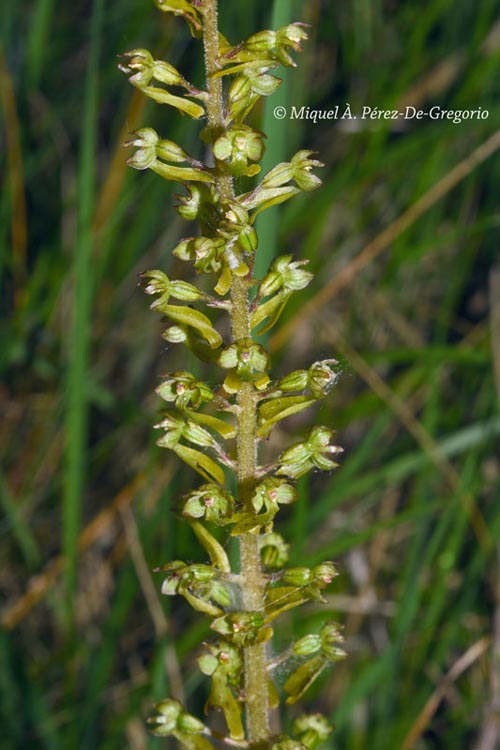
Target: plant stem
<point x="255" y="663"/>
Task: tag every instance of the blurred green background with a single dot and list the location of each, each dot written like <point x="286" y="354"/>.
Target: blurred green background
<point x="403" y="239"/>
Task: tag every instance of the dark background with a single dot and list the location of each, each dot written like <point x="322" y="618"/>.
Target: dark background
<point x="402" y="238"/>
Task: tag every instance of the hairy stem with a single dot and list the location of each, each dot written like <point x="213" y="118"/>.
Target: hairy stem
<point x="255" y="664"/>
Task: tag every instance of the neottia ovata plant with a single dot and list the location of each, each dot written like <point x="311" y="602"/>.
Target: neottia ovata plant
<point x="217" y="430"/>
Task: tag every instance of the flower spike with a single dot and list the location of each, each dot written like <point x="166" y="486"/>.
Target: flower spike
<point x="217" y="417"/>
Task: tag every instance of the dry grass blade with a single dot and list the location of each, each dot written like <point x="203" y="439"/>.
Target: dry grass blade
<point x="495" y="323"/>
<point x="384" y="239"/>
<point x="19" y="219"/>
<point x="430" y="708"/>
<point x="422" y="437"/>
<point x="434" y="82"/>
<point x="445" y="73"/>
<point x="149" y="590"/>
<point x="39" y="585"/>
<point x="490" y="730"/>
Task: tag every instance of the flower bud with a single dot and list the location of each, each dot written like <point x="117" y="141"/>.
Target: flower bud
<point x="261" y="43"/>
<point x="319" y="442"/>
<point x="285" y="274"/>
<point x="242" y="628"/>
<point x="333" y="653"/>
<point x="224" y="658"/>
<point x="286" y="743"/>
<point x="143" y="68"/>
<point x="175" y="571"/>
<point x="184" y="249"/>
<point x="175" y="334"/>
<point x="321" y="377"/>
<point x="229" y="357"/>
<point x="289" y="36"/>
<point x="190" y="724"/>
<point x="270" y="45"/>
<point x="145" y="140"/>
<point x="273" y="550"/>
<point x="170" y="151"/>
<point x="234" y="219"/>
<point x="173" y="427"/>
<point x="185" y="292"/>
<point x="209" y="502"/>
<point x="261" y="83"/>
<point x="252" y="358"/>
<point x="249" y="359"/>
<point x="325" y="572"/>
<point x="301" y="166"/>
<point x="273" y="492"/>
<point x="189" y="206"/>
<point x="166" y="715"/>
<point x="280" y="491"/>
<point x="237" y="146"/>
<point x="167" y="74"/>
<point x="292" y="34"/>
<point x="168" y="708"/>
<point x="312" y="729"/>
<point x="271" y="284"/>
<point x="277" y="176"/>
<point x="199" y="203"/>
<point x="199" y="573"/>
<point x="294" y="381"/>
<point x="240" y="89"/>
<point x="184" y="9"/>
<point x="158" y="283"/>
<point x="184" y="390"/>
<point x="295" y="461"/>
<point x="150" y="148"/>
<point x="208" y="664"/>
<point x="220" y="594"/>
<point x="246" y="89"/>
<point x="197" y="434"/>
<point x="168" y="390"/>
<point x="230" y="660"/>
<point x="204" y="252"/>
<point x="307" y="645"/>
<point x="170" y="586"/>
<point x="297" y="576"/>
<point x="247" y="239"/>
<point x="140" y="66"/>
<point x="293" y="276"/>
<point x="200" y="585"/>
<point x="302" y="457"/>
<point x="330" y="633"/>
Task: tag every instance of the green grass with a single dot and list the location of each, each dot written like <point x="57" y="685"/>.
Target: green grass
<point x="78" y="342"/>
<point x="81" y="355"/>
